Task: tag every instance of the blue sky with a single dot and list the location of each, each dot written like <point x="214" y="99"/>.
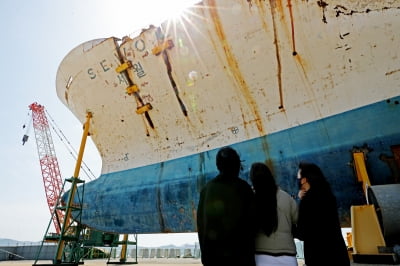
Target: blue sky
<point x="36" y="36"/>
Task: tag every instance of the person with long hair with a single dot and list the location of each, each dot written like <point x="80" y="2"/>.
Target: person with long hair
<point x="318" y="224"/>
<point x="276" y="215"/>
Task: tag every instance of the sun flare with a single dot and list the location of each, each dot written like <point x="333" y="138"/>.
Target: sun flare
<point x="171" y="10"/>
<point x="177" y="8"/>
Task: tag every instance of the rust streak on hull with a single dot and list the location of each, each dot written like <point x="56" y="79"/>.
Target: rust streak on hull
<point x="234" y="67"/>
<point x="262" y="12"/>
<point x="277" y="52"/>
<point x="292" y="26"/>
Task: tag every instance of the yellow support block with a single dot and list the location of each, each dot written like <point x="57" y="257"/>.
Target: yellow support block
<point x="132" y="89"/>
<point x="124" y="249"/>
<point x="361" y="170"/>
<point x="165" y="45"/>
<point x="123" y="66"/>
<point x="144" y="108"/>
<point x="366" y="232"/>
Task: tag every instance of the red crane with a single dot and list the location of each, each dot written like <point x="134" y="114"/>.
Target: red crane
<point x="52" y="180"/>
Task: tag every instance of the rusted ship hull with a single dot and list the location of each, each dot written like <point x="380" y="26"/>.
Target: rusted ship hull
<point x="280" y="81"/>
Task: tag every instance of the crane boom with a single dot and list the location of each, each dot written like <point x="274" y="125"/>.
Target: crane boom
<point x="48" y="163"/>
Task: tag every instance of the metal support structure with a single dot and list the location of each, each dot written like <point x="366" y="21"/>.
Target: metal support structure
<point x="361" y="170"/>
<point x="69" y="206"/>
<point x="70" y="242"/>
<point x="123" y="256"/>
<point x="369" y="245"/>
<point x="133" y="89"/>
<point x="73" y="232"/>
<point x="124" y="249"/>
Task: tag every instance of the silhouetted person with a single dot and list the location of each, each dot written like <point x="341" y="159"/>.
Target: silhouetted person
<point x="318" y="224"/>
<point x="225" y="215"/>
<point x="276" y="216"/>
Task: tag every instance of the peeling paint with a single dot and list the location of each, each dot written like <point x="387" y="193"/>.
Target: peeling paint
<point x="392" y="72"/>
<point x="323" y="6"/>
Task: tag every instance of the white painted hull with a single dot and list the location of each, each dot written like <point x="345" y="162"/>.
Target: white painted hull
<point x="238" y="72"/>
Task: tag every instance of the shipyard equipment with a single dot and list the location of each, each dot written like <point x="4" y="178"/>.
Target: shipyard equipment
<point x="48" y="162"/>
<point x="71" y="236"/>
<point x="375" y="225"/>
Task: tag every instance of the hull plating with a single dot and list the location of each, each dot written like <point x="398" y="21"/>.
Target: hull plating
<point x="163" y="197"/>
<point x="281" y="81"/>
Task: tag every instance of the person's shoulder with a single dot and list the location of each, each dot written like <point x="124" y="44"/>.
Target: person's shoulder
<point x="283" y="193"/>
<point x="242" y="182"/>
<point x="244" y="186"/>
<point x="209" y="183"/>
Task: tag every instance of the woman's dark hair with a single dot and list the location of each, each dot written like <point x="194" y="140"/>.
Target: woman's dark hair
<point x="315" y="177"/>
<point x="265" y="194"/>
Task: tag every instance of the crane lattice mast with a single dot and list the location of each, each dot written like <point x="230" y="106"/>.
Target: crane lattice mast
<point x="48" y="163"/>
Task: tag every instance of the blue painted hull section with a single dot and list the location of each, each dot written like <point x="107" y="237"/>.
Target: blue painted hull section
<point x="163" y="197"/>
